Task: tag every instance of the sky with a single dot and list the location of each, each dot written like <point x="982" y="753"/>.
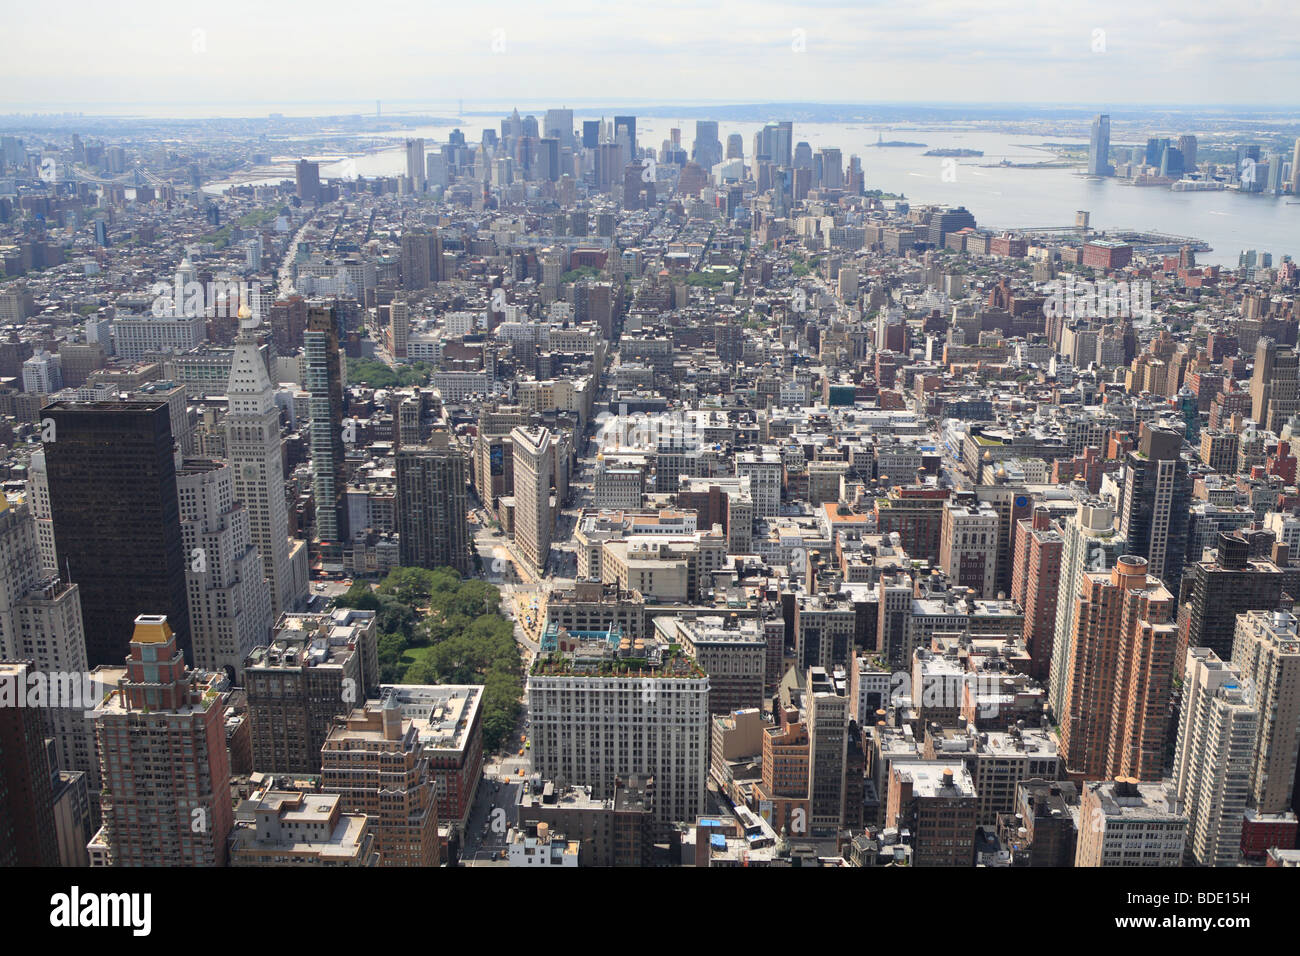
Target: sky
<point x="241" y="57"/>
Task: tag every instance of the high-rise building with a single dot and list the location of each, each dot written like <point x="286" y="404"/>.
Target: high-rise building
<point x="316" y="667"/>
<point x="1214" y="592"/>
<point x="1091" y="544"/>
<point x="1274" y="385"/>
<point x="969" y="546"/>
<point x="1154" y="511"/>
<point x="416" y="171"/>
<point x="432" y="507"/>
<point x="706" y="150"/>
<point x="1119" y="675"/>
<point x="1099" y="147"/>
<point x="40" y="622"/>
<point x="38" y="497"/>
<point x="1219" y="450"/>
<point x="229" y="596"/>
<point x="27" y="827"/>
<point x="42" y="373"/>
<point x="254" y="449"/>
<point x="603" y="710"/>
<point x="1266" y="652"/>
<point x="534" y="466"/>
<point x="307" y="180"/>
<point x="1036" y="584"/>
<point x="399" y="328"/>
<point x="374" y="760"/>
<point x="117" y="528"/>
<point x="774" y="143"/>
<point x="558" y="124"/>
<point x="548" y="159"/>
<point x="1214" y="756"/>
<point x="831" y="162"/>
<point x="827" y="702"/>
<point x="421" y="259"/>
<point x="1295" y="168"/>
<point x="323" y="381"/>
<point x="625" y="131"/>
<point x="162" y="754"/>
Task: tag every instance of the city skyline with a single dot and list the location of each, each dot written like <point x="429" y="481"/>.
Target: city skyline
<point x="750" y="482"/>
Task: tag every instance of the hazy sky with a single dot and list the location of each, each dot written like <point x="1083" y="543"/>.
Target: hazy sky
<point x="77" y="55"/>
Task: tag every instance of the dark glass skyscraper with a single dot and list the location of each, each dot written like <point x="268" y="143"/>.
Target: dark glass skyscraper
<point x="432" y="508"/>
<point x="117" y="527"/>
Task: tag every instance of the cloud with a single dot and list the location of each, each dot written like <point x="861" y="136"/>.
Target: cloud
<point x="672" y="50"/>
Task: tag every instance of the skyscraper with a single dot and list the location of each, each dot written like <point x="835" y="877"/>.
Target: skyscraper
<point x="117" y="528"/>
<point x="1099" y="147"/>
<point x="322" y="378"/>
<point x="254" y="449"/>
<point x="229" y="595"/>
<point x="534" y="466"/>
<point x="1274" y="385"/>
<point x="307" y="180"/>
<point x="706" y="150"/>
<point x="415" y="168"/>
<point x="1295" y="168"/>
<point x="548" y="159"/>
<point x="399" y="328"/>
<point x="832" y="168"/>
<point x="40" y="622"/>
<point x="1119" y="674"/>
<point x="421" y="259"/>
<point x="1214" y="592"/>
<point x="828" y="722"/>
<point x="432" y="507"/>
<point x="625" y="127"/>
<point x="1035" y="586"/>
<point x="558" y="124"/>
<point x="1212" y="762"/>
<point x="163" y="762"/>
<point x="1157" y="493"/>
<point x="1267" y="654"/>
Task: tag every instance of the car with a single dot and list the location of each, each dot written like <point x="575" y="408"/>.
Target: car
<point x="320" y="587"/>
